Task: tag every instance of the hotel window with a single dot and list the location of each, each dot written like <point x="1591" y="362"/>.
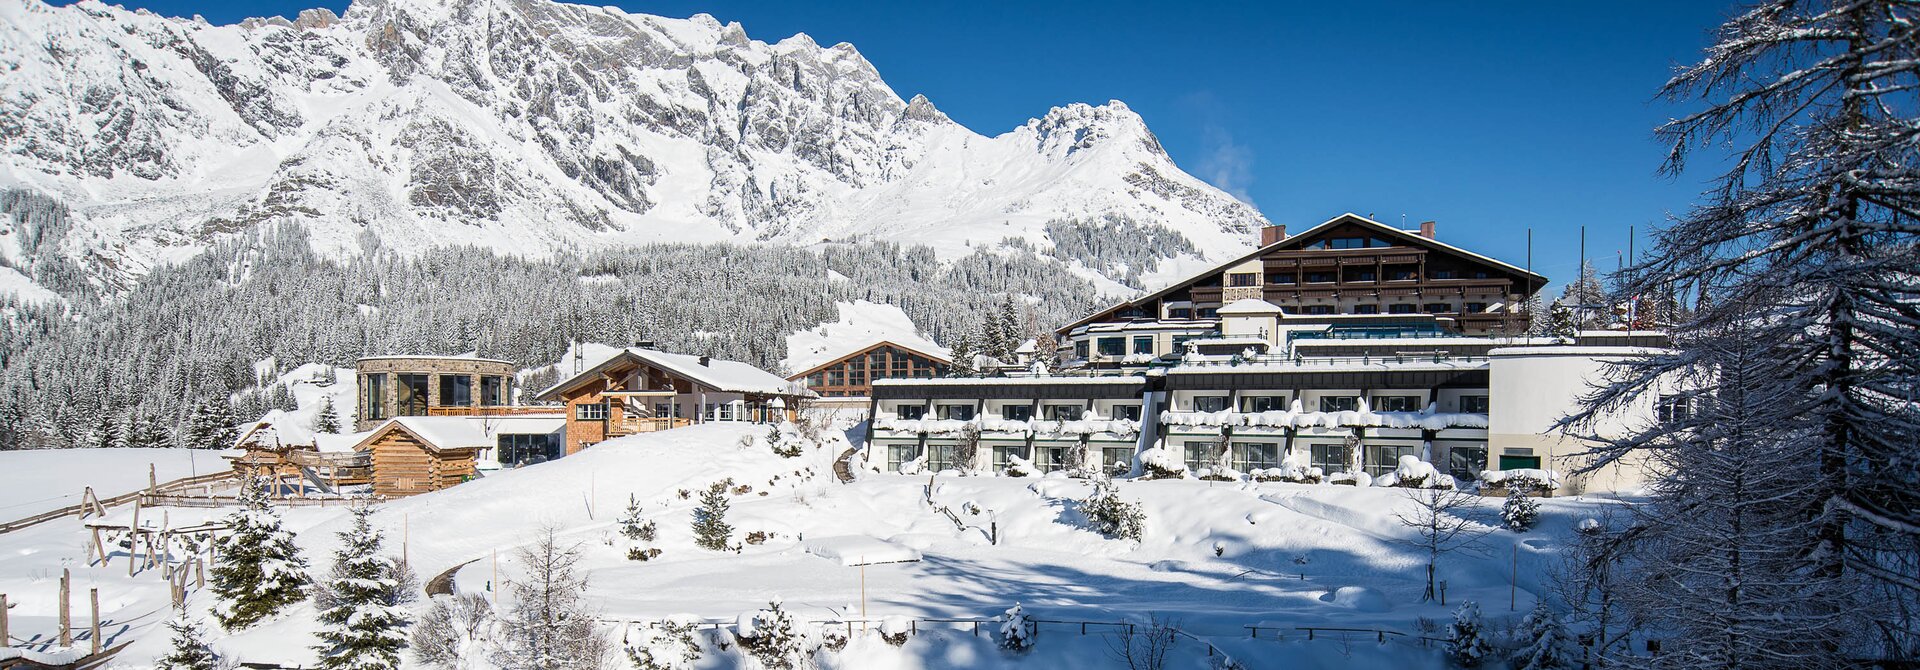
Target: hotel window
<point x="1003" y="456"/>
<point x="1180" y="313"/>
<point x="1202" y="454"/>
<point x="1080" y="349"/>
<point x="1250" y="456"/>
<point x="1128" y="412"/>
<point x="1403" y="273"/>
<point x="900" y="454"/>
<point x="1280" y="278"/>
<point x="1397" y="403"/>
<point x="1209" y="312"/>
<point x="456" y="390"/>
<point x="1117" y="459"/>
<point x="1052" y="459"/>
<point x="943" y="457"/>
<point x="1143" y="344"/>
<point x="956" y="412"/>
<point x="1672" y="408"/>
<point x="1330" y="458"/>
<point x="910" y="412"/>
<point x="593" y="411"/>
<point x="1209" y="403"/>
<point x="413" y="394"/>
<point x="1263" y="403"/>
<point x="1359" y="274"/>
<point x="1339" y="403"/>
<point x="1382" y="459"/>
<point x="1465" y="463"/>
<point x="1180" y="343"/>
<point x="1401" y="309"/>
<point x="1366" y="309"/>
<point x="1062" y="412"/>
<point x="1440" y="274"/>
<point x="1319" y="277"/>
<point x="1437" y="308"/>
<point x="493" y="390"/>
<point x="1474" y="404"/>
<point x="1476" y="307"/>
<point x="1112" y="346"/>
<point x="1317" y="309"/>
<point x="1016" y="412"/>
<point x="817" y="380"/>
<point x="900" y="365"/>
<point x="376" y="404"/>
<point x="664" y="410"/>
<point x="1243" y="279"/>
<point x="837" y="377"/>
<point x="519" y="449"/>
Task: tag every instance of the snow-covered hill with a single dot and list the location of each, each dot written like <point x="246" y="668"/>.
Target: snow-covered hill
<point x="531" y="126"/>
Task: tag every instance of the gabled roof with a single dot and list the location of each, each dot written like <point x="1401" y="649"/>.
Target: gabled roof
<point x="1296" y="240"/>
<point x="940" y="358"/>
<point x="452" y="433"/>
<point x="717" y="374"/>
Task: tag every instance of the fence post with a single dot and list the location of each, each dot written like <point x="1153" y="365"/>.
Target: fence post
<point x="5" y="640"/>
<point x="93" y="632"/>
<point x="66" y="614"/>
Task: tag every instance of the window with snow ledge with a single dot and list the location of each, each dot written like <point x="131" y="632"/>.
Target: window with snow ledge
<point x="910" y="412"/>
<point x="1016" y="412"/>
<point x="1112" y="346"/>
<point x="1263" y="403"/>
<point x="1062" y="412"/>
<point x="1397" y="403"/>
<point x="1209" y="403"/>
<point x="956" y="412"/>
<point x="1339" y="403"/>
<point x="1474" y="404"/>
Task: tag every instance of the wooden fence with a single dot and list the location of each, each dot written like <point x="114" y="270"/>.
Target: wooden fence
<point x="89" y="503"/>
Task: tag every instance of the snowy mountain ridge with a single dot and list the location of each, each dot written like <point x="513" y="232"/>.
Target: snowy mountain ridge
<point x="531" y="126"/>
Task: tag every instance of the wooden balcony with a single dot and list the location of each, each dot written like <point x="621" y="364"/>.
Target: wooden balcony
<point x="630" y="425"/>
<point x="494" y="410"/>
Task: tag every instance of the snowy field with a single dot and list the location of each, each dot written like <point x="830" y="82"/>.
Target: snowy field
<point x="42" y="480"/>
<point x="1216" y="557"/>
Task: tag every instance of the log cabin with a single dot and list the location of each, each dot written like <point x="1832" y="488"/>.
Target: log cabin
<point x="416" y="454"/>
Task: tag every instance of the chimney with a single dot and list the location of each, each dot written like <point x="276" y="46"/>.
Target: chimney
<point x="643" y="344"/>
<point x="1426" y="229"/>
<point x="1272" y="234"/>
<point x="704" y="360"/>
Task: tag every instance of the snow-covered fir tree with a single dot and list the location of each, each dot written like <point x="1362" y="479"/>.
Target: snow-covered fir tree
<point x="548" y="626"/>
<point x="1808" y="244"/>
<point x="1544" y="642"/>
<point x="327" y="420"/>
<point x="363" y="618"/>
<point x="710" y="528"/>
<point x="1520" y="511"/>
<point x="1016" y="629"/>
<point x="633" y="523"/>
<point x="1007" y="336"/>
<point x="211" y="425"/>
<point x="965" y="348"/>
<point x="772" y="639"/>
<point x="1560" y="322"/>
<point x="259" y="571"/>
<point x="1467" y="641"/>
<point x="189" y="650"/>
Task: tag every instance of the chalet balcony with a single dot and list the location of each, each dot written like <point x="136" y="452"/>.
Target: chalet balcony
<point x="493" y="410"/>
<point x="633" y="425"/>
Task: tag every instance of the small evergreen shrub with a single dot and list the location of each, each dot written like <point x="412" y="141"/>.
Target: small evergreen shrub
<point x="1111" y="516"/>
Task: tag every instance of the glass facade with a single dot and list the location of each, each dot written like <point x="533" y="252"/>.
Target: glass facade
<point x="413" y="394"/>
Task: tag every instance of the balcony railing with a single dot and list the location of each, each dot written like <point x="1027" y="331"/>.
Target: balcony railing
<point x="635" y="424"/>
<point x="493" y="410"/>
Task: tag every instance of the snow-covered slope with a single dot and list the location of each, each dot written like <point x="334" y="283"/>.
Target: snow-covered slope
<point x="532" y="126"/>
<point x="860" y="324"/>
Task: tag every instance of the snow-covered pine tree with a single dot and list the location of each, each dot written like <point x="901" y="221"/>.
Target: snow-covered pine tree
<point x="1808" y="243"/>
<point x="363" y="621"/>
<point x="1586" y="297"/>
<point x="1016" y="629"/>
<point x="1467" y="641"/>
<point x="1010" y="330"/>
<point x="327" y="420"/>
<point x="710" y="528"/>
<point x="106" y="432"/>
<point x="965" y="347"/>
<point x="1560" y="322"/>
<point x="1520" y="511"/>
<point x="259" y="571"/>
<point x="632" y="522"/>
<point x="189" y="651"/>
<point x="549" y="626"/>
<point x="773" y="640"/>
<point x="211" y="425"/>
<point x="1545" y="643"/>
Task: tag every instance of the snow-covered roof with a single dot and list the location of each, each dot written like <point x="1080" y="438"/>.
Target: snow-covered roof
<point x="467" y="432"/>
<point x="1577" y="350"/>
<point x="1248" y="306"/>
<point x="718" y="374"/>
<point x="329" y="442"/>
<point x="470" y="356"/>
<point x="861" y="326"/>
<point x="1238" y="339"/>
<point x="1002" y="381"/>
<point x="276" y="430"/>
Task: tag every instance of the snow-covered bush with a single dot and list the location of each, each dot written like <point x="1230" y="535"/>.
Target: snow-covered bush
<point x="1466" y="637"/>
<point x="1218" y="474"/>
<point x="915" y="466"/>
<point x="1413" y="473"/>
<point x="710" y="528"/>
<point x="1016" y="630"/>
<point x="1545" y="645"/>
<point x="1289" y="473"/>
<point x="260" y="571"/>
<point x="1520" y="511"/>
<point x="770" y="637"/>
<point x="894" y="629"/>
<point x="642" y="554"/>
<point x="1111" y="516"/>
<point x="1360" y="479"/>
<point x="454" y="631"/>
<point x="786" y="440"/>
<point x="1532" y="480"/>
<point x="190" y="650"/>
<point x="667" y="645"/>
<point x="1020" y="467"/>
<point x="634" y="527"/>
<point x="1159" y="463"/>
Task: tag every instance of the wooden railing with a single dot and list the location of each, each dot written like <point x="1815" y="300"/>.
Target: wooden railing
<point x="121" y="499"/>
<point x="494" y="410"/>
<point x="636" y="424"/>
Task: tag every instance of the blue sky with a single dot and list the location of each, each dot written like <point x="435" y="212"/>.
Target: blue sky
<point x="1489" y="117"/>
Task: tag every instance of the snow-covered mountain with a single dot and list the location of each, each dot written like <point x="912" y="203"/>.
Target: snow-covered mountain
<point x="531" y="126"/>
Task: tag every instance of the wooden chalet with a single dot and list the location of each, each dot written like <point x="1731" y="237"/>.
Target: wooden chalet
<point x="851" y="375"/>
<point x="285" y="452"/>
<point x="641" y="389"/>
<point x="412" y="455"/>
<point x="1349" y="265"/>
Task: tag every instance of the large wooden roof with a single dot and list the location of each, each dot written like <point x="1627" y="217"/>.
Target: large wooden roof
<point x="1532" y="282"/>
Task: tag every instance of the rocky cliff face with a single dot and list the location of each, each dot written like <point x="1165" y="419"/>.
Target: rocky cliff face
<point x="531" y="126"/>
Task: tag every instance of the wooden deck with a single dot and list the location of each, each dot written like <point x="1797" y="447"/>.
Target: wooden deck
<point x="632" y="425"/>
